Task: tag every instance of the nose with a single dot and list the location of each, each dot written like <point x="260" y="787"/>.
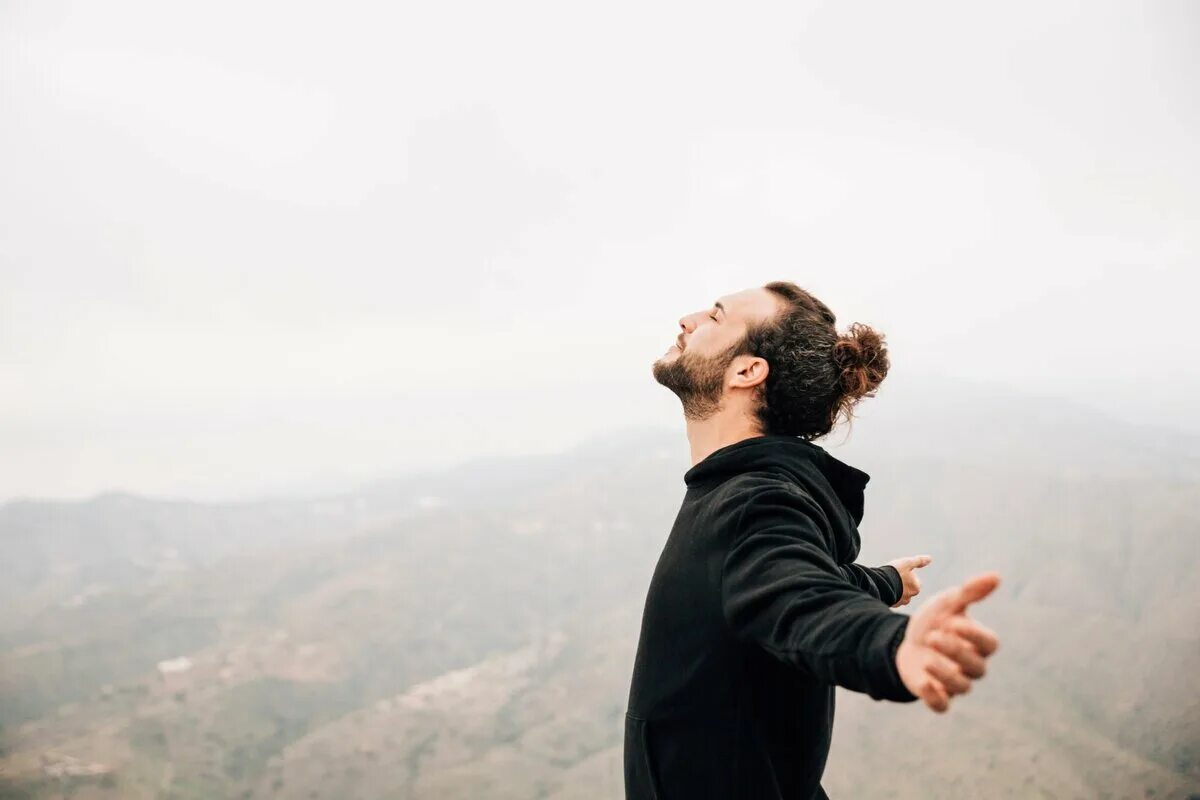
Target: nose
<point x="688" y="326"/>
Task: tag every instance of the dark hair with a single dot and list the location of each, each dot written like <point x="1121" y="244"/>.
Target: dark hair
<point x="816" y="374"/>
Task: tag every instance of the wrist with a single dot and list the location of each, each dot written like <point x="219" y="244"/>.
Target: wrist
<point x="895" y="582"/>
<point x="896" y="651"/>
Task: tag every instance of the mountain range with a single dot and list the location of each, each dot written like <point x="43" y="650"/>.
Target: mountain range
<point x="469" y="633"/>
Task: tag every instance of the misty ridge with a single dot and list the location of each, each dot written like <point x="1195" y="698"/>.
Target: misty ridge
<point x="469" y="633"/>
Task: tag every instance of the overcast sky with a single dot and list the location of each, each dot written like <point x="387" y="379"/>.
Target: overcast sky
<point x="248" y="247"/>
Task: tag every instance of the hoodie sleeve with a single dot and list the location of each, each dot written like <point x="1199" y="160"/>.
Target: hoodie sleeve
<point x="882" y="582"/>
<point x="782" y="591"/>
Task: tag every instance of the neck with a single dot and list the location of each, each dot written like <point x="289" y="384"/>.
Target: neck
<point x="720" y="430"/>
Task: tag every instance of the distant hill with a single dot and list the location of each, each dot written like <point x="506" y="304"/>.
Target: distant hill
<point x="470" y="633"/>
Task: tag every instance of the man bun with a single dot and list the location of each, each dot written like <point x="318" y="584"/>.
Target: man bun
<point x="816" y="375"/>
<point x="861" y="355"/>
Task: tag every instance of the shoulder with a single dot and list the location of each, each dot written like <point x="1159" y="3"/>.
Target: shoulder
<point x="740" y="490"/>
<point x="762" y="495"/>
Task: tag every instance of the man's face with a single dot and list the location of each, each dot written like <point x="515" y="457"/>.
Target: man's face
<point x="696" y="367"/>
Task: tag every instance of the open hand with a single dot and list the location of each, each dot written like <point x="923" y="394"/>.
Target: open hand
<point x="943" y="649"/>
<point x="907" y="567"/>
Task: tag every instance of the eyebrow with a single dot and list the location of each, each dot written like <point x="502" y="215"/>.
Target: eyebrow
<point x="718" y="305"/>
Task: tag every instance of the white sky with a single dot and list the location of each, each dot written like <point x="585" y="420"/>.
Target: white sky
<point x="247" y="247"/>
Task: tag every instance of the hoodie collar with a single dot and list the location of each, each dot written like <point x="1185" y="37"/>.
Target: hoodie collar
<point x="800" y="459"/>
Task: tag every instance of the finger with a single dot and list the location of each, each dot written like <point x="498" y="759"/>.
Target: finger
<point x="911" y="562"/>
<point x="983" y="638"/>
<point x="935" y="695"/>
<point x="963" y="652"/>
<point x="973" y="590"/>
<point x="946" y="670"/>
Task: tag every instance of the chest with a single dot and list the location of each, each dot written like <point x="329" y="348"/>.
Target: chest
<point x="683" y="601"/>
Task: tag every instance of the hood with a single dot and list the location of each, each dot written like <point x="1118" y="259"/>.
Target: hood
<point x="806" y="464"/>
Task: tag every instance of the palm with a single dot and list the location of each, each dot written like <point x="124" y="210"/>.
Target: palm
<point x="944" y="649"/>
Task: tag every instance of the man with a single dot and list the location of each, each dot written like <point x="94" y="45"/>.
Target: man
<point x="756" y="609"/>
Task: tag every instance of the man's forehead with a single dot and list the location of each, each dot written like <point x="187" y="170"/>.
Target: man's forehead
<point x="748" y="302"/>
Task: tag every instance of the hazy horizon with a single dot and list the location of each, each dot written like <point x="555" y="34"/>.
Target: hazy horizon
<point x="877" y="428"/>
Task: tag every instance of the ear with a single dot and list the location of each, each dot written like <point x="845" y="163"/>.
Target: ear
<point x="751" y="372"/>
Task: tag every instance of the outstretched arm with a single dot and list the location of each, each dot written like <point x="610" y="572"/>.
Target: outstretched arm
<point x="899" y="575"/>
<point x="882" y="583"/>
<point x="783" y="591"/>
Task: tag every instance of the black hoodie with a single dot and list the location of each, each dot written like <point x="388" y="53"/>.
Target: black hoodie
<point x="756" y="610"/>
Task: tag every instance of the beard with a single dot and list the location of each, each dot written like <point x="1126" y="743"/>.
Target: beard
<point x="697" y="380"/>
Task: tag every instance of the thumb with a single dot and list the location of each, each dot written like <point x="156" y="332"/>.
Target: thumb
<point x="972" y="590"/>
<point x="920" y="561"/>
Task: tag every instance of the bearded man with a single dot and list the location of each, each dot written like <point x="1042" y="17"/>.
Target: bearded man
<point x="757" y="610"/>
